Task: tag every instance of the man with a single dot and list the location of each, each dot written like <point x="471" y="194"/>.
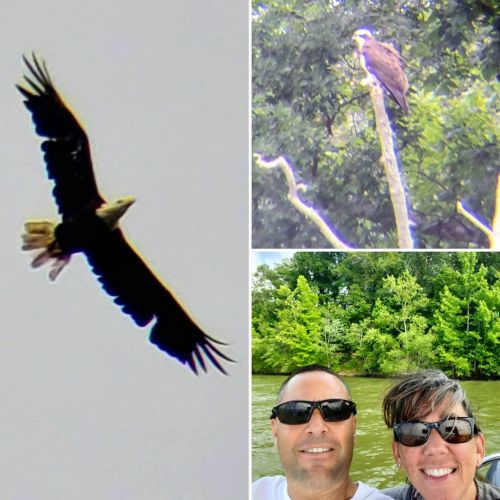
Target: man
<point x="314" y="426"/>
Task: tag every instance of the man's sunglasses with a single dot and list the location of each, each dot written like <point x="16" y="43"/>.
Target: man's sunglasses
<point x="452" y="429"/>
<point x="299" y="412"/>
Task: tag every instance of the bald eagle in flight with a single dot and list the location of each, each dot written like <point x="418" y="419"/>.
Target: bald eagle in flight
<point x="90" y="225"/>
<point x="383" y="62"/>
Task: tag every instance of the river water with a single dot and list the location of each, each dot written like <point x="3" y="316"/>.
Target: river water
<point x="372" y="462"/>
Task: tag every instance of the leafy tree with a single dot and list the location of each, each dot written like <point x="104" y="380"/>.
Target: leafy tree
<point x="397" y="313"/>
<point x="374" y="349"/>
<point x="336" y="343"/>
<point x="308" y="105"/>
<point x="297" y="336"/>
<point x="467" y="324"/>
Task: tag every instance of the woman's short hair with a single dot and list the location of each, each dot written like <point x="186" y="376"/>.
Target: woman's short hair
<point x="419" y="394"/>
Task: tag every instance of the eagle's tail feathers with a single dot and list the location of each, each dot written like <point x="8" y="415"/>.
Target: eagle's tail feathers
<point x="40" y="235"/>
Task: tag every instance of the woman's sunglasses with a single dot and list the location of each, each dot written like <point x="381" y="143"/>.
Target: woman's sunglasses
<point x="299" y="412"/>
<point x="453" y="430"/>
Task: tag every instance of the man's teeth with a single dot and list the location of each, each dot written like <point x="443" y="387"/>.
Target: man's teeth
<point x="317" y="450"/>
<point x="437" y="472"/>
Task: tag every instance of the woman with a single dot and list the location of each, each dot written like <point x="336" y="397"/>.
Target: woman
<point x="437" y="441"/>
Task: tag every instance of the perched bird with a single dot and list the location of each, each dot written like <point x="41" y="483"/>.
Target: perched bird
<point x="89" y="225"/>
<point x="385" y="64"/>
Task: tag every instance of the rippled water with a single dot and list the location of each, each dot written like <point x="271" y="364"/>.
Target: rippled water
<point x="372" y="462"/>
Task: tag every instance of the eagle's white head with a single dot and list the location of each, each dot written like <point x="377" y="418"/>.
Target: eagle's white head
<point x="360" y="37"/>
<point x="111" y="212"/>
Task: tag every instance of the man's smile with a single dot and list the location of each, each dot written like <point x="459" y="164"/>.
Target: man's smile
<point x="316" y="451"/>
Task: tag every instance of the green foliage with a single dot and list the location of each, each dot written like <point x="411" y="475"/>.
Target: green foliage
<point x="467" y="324"/>
<point x="296" y="338"/>
<point x="398" y="313"/>
<point x="309" y="105"/>
<point x="379" y="313"/>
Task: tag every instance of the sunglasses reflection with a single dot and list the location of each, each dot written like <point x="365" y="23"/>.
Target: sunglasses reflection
<point x="453" y="430"/>
<point x="299" y="412"/>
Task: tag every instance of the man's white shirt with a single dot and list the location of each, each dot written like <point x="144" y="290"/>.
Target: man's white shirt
<point x="275" y="488"/>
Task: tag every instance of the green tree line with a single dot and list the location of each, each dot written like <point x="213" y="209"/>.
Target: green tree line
<point x="379" y="313"/>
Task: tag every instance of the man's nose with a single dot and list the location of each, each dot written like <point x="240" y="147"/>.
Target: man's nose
<point x="316" y="423"/>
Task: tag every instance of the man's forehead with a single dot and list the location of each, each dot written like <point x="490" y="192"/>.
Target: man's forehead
<point x="314" y="386"/>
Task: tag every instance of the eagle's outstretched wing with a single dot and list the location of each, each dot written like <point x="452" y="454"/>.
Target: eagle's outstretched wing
<point x="67" y="151"/>
<point x="135" y="288"/>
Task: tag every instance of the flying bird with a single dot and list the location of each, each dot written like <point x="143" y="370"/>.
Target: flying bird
<point x="89" y="225"/>
<point x="383" y="62"/>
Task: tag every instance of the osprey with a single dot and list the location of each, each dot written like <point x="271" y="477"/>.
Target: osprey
<point x="383" y="62"/>
<point x="89" y="225"/>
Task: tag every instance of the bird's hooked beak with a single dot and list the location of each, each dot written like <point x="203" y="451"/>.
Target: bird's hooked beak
<point x="111" y="212"/>
<point x="125" y="202"/>
<point x="357" y="39"/>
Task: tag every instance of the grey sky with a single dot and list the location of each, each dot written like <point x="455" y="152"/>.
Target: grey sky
<point x="90" y="409"/>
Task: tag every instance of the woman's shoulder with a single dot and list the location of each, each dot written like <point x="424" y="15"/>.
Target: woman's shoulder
<point x="487" y="491"/>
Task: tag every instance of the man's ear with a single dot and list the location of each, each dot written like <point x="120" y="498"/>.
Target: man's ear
<point x="274" y="426"/>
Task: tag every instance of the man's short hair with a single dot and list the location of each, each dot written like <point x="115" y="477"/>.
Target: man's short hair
<point x="306" y="369"/>
<point x="419" y="394"/>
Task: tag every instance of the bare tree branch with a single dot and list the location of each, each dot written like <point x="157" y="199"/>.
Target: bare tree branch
<point x="389" y="161"/>
<point x="493" y="234"/>
<point x="294" y="199"/>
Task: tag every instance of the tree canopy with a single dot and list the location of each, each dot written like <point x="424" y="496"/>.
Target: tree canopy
<point x="379" y="313"/>
<point x="309" y="106"/>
